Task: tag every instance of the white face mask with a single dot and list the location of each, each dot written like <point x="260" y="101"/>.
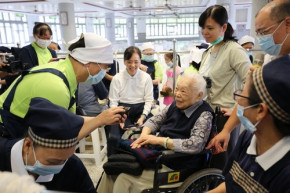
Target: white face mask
<point x="42" y="43"/>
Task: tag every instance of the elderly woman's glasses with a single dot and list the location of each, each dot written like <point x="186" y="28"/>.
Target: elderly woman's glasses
<point x="237" y="95"/>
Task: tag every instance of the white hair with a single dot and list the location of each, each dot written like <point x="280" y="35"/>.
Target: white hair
<point x="198" y="82"/>
<point x="14" y="183"/>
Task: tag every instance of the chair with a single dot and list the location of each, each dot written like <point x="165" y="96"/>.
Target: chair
<point x="98" y="142"/>
<point x="193" y="180"/>
<point x="201" y="180"/>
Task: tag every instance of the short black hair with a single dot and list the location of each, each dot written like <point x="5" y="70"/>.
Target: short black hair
<point x="130" y="51"/>
<point x="78" y="44"/>
<point x="41" y="28"/>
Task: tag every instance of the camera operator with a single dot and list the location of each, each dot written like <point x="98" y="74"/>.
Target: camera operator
<point x="9" y="70"/>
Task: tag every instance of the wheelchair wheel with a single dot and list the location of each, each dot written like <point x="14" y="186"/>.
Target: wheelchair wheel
<point x="202" y="181"/>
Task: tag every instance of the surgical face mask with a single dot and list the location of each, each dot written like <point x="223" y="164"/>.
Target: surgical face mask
<point x="249" y="51"/>
<point x="42" y="43"/>
<point x="148" y="58"/>
<point x="96" y="78"/>
<point x="170" y="64"/>
<point x="217" y="41"/>
<point x="41" y="169"/>
<point x="245" y="121"/>
<point x="267" y="43"/>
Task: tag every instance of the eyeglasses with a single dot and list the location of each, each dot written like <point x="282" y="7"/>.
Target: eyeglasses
<point x="266" y="31"/>
<point x="237" y="95"/>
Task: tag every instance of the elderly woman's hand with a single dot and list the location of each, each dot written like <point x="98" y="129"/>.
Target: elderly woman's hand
<point x="146" y="139"/>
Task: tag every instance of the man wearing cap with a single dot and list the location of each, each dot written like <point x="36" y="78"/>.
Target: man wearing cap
<point x="272" y="25"/>
<point x="247" y="42"/>
<point x="47" y="152"/>
<point x="152" y="67"/>
<point x="88" y="60"/>
<point x="261" y="159"/>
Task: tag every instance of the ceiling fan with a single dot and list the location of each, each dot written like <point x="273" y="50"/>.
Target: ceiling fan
<point x="168" y="5"/>
<point x="131" y="6"/>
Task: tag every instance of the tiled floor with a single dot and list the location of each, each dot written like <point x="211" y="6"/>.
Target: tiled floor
<point x="95" y="172"/>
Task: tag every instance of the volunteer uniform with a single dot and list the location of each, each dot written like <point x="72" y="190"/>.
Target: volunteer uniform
<point x="73" y="177"/>
<point x="59" y="89"/>
<point x="33" y="55"/>
<point x="50" y="127"/>
<point x="155" y="71"/>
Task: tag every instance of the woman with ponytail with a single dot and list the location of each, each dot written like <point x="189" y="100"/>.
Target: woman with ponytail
<point x="225" y="62"/>
<point x="167" y="89"/>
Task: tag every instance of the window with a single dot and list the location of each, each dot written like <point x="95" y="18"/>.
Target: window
<point x="158" y="28"/>
<point x="13" y="29"/>
<point x="99" y="26"/>
<point x="121" y="29"/>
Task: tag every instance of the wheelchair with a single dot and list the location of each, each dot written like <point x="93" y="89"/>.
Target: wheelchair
<point x="193" y="181"/>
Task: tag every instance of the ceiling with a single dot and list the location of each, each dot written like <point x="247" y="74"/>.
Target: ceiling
<point x="121" y="8"/>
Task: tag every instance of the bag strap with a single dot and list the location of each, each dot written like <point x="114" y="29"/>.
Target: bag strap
<point x="8" y="101"/>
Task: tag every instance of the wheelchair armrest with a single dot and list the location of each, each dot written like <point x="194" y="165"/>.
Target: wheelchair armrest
<point x="167" y="154"/>
<point x="135" y="130"/>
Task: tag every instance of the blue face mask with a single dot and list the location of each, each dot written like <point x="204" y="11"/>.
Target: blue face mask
<point x="245" y="121"/>
<point x="249" y="52"/>
<point x="170" y="64"/>
<point x="267" y="43"/>
<point x="96" y="78"/>
<point x="148" y="58"/>
<point x="217" y="41"/>
<point x="41" y="169"/>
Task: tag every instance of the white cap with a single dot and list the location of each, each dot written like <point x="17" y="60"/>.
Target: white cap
<point x="246" y="39"/>
<point x="147" y="45"/>
<point x="97" y="49"/>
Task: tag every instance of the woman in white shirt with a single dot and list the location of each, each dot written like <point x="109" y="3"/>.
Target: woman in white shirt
<point x="131" y="88"/>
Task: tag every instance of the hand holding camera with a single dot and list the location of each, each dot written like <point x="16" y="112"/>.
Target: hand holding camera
<point x="127" y="109"/>
<point x="11" y="65"/>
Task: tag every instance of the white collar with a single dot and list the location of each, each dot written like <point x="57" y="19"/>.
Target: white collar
<point x="272" y="155"/>
<point x="17" y="164"/>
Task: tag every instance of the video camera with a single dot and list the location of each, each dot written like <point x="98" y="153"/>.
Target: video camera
<point x="12" y="65"/>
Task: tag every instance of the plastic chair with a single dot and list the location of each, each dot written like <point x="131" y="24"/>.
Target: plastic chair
<point x="98" y="142"/>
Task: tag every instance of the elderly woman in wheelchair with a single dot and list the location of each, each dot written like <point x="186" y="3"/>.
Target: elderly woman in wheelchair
<point x="184" y="126"/>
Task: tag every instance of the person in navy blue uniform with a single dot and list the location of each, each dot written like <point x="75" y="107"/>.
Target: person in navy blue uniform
<point x="260" y="161"/>
<point x="152" y="67"/>
<point x="47" y="153"/>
